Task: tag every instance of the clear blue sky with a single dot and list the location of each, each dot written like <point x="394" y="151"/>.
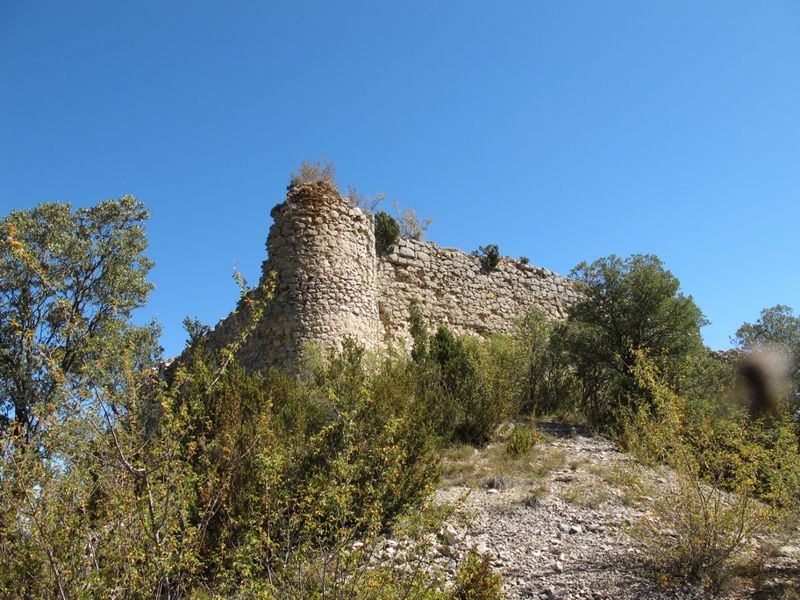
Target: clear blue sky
<point x="560" y="130"/>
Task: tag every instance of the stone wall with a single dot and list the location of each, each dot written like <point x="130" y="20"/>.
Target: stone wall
<point x="452" y="289"/>
<point x="330" y="284"/>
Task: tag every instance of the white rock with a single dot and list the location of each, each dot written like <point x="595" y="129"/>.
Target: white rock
<point x="448" y="534"/>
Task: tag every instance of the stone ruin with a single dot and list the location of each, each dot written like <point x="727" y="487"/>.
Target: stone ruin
<point x="330" y="284"/>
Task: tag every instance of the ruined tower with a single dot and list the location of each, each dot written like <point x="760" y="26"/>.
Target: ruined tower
<point x="329" y="284"/>
<point x="321" y="254"/>
<point x="323" y="251"/>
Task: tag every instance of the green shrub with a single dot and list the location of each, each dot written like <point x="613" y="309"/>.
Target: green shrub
<point x="706" y="524"/>
<point x="489" y="256"/>
<point x="476" y="384"/>
<point x="475" y="579"/>
<point x="496" y="390"/>
<point x="551" y="385"/>
<point x="524" y="260"/>
<point x="387" y="232"/>
<point x="521" y="441"/>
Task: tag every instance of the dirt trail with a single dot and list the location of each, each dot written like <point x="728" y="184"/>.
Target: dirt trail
<point x="559" y="525"/>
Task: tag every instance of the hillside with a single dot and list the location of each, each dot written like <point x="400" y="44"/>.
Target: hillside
<point x="562" y="522"/>
<point x="224" y="478"/>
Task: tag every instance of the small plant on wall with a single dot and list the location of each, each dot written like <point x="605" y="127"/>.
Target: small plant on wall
<point x="387" y="232"/>
<point x="488" y="255"/>
<point x="321" y="170"/>
<point x="411" y="226"/>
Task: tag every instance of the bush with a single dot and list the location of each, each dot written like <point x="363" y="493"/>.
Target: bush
<point x="470" y="384"/>
<point x="702" y="531"/>
<point x="387" y="232"/>
<point x="497" y="392"/>
<point x="551" y="385"/>
<point x="411" y="226"/>
<point x="627" y="306"/>
<point x="450" y="381"/>
<point x="489" y="256"/>
<point x="363" y="445"/>
<point x="475" y="579"/>
<point x="521" y="441"/>
<point x="321" y="170"/>
<point x="367" y="203"/>
<point x="224" y="477"/>
<point x="475" y="384"/>
<point x="524" y="260"/>
<point x="705" y="525"/>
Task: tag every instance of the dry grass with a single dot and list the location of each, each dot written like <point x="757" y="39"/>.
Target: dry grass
<point x="587" y="494"/>
<point x="459" y="465"/>
<point x="535" y="495"/>
<point x="625" y="479"/>
<point x="463" y="466"/>
<point x="574" y="465"/>
<point x="547" y="461"/>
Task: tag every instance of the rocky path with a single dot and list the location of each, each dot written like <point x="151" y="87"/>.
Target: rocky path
<point x="561" y="525"/>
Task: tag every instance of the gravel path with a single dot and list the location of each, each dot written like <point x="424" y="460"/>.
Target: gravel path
<point x="564" y="533"/>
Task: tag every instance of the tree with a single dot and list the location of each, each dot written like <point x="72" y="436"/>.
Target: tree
<point x="777" y="328"/>
<point x="628" y="306"/>
<point x="69" y="282"/>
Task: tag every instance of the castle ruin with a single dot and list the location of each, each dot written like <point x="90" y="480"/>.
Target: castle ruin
<point x="330" y="283"/>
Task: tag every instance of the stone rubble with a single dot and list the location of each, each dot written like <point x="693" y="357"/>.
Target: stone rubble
<point x="557" y="549"/>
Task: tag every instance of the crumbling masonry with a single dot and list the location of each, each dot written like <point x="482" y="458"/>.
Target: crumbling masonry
<point x="331" y="284"/>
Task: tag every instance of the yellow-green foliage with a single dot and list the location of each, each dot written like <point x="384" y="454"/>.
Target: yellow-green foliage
<point x="225" y="477"/>
<point x="498" y="383"/>
<point x="734" y="479"/>
<point x="523" y="437"/>
<point x="476" y="580"/>
<point x="520" y="441"/>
